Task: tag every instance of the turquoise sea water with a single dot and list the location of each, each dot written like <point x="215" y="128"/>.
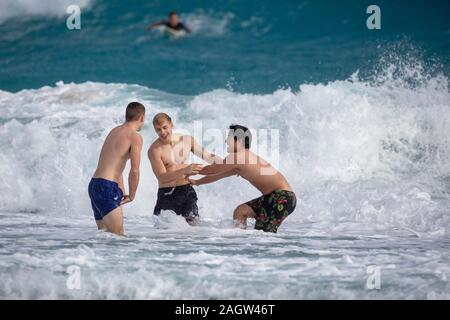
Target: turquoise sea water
<point x="251" y="46"/>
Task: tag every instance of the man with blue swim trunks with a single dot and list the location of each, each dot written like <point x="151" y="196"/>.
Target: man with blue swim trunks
<point x="106" y="189"/>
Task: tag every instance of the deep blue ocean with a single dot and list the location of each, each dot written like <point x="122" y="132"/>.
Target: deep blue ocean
<point x="250" y="46"/>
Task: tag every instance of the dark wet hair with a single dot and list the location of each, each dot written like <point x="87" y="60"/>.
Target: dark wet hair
<point x="171" y="13"/>
<point x="241" y="133"/>
<point x="134" y="111"/>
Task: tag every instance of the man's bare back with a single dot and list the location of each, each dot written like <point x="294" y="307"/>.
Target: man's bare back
<point x="115" y="153"/>
<point x="259" y="172"/>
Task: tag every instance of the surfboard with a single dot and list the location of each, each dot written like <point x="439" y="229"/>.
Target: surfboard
<point x="172" y="32"/>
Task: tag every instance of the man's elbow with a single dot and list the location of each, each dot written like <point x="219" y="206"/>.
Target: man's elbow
<point x="134" y="171"/>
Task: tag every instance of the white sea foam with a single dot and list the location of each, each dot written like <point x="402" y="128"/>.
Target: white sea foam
<point x="369" y="162"/>
<point x="29" y="8"/>
<point x="373" y="154"/>
<point x="208" y="23"/>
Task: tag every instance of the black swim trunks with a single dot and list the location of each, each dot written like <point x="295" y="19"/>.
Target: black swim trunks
<point x="272" y="209"/>
<point x="181" y="199"/>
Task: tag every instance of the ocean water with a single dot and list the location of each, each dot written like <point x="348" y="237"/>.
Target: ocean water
<point x="363" y="120"/>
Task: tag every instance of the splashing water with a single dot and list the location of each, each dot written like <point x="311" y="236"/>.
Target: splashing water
<point x="369" y="161"/>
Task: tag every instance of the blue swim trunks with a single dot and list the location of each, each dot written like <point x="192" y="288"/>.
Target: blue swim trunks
<point x="105" y="196"/>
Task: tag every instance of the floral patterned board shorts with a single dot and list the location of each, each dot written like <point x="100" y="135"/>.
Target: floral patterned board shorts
<point x="272" y="209"/>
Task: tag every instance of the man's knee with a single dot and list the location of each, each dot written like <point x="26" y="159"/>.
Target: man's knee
<point x="116" y="228"/>
<point x="118" y="231"/>
<point x="113" y="221"/>
<point x="100" y="225"/>
<point x="242" y="211"/>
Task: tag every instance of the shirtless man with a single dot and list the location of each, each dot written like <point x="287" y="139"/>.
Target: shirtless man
<point x="168" y="156"/>
<point x="277" y="201"/>
<point x="106" y="188"/>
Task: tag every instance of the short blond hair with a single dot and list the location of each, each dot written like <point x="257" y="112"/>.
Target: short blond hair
<point x="160" y="117"/>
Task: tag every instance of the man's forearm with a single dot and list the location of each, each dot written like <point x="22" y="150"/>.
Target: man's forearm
<point x="205" y="155"/>
<point x="213" y="159"/>
<point x="133" y="182"/>
<point x="214" y="177"/>
<point x="167" y="177"/>
<point x="208" y="179"/>
<point x="217" y="169"/>
<point x="154" y="25"/>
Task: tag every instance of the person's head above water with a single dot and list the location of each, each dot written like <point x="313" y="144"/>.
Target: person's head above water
<point x="239" y="137"/>
<point x="173" y="18"/>
<point x="135" y="112"/>
<point x="163" y="126"/>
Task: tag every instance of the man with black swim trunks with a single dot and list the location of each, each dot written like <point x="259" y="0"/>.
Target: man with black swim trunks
<point x="278" y="200"/>
<point x="168" y="156"/>
<point x="173" y="23"/>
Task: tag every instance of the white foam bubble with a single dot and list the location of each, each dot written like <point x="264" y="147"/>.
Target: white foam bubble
<point x="371" y="153"/>
<point x="29" y="8"/>
<point x="208" y="23"/>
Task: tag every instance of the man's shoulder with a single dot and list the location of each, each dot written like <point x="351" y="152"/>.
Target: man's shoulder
<point x="187" y="137"/>
<point x="181" y="136"/>
<point x="155" y="146"/>
<point x="245" y="159"/>
<point x="116" y="128"/>
<point x="136" y="137"/>
<point x="115" y="133"/>
<point x="259" y="160"/>
<point x="184" y="138"/>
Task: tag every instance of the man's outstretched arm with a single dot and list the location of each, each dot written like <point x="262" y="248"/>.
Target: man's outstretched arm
<point x="214" y="169"/>
<point x="202" y="153"/>
<point x="227" y="165"/>
<point x="212" y="178"/>
<point x="154" y="25"/>
<point x="135" y="161"/>
<point x="166" y="177"/>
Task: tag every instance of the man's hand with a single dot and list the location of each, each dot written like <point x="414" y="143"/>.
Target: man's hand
<point x="193" y="169"/>
<point x="125" y="199"/>
<point x="193" y="182"/>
